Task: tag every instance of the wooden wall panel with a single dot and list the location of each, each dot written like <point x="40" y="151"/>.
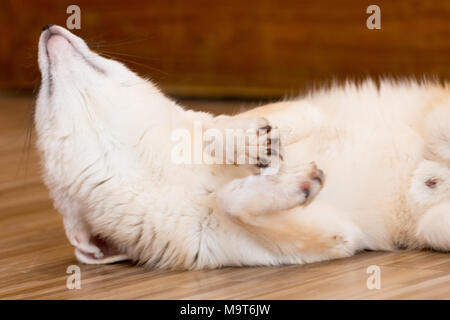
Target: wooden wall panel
<point x="234" y="47"/>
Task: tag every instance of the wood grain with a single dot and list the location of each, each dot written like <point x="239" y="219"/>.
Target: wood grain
<point x="254" y="48"/>
<point x="34" y="253"/>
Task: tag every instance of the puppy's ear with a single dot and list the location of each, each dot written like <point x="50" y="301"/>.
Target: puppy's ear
<point x="110" y="254"/>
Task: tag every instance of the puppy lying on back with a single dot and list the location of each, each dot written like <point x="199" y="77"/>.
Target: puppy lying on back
<point x="106" y="138"/>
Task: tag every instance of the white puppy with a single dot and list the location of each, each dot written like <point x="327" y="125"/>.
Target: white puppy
<point x="105" y="135"/>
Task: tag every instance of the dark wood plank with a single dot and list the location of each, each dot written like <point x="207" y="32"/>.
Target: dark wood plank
<point x="261" y="48"/>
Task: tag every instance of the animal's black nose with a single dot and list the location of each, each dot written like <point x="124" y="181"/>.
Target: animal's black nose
<point x="47" y="26"/>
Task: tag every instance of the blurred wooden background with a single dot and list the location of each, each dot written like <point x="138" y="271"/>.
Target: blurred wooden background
<point x="235" y="48"/>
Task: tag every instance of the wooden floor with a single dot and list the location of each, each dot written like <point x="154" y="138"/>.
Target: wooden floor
<point x="34" y="253"/>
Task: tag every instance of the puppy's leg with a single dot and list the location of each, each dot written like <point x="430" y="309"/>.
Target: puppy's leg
<point x="437" y="132"/>
<point x="433" y="229"/>
<point x="244" y="141"/>
<point x="295" y="120"/>
<point x="278" y="124"/>
<point x="303" y="234"/>
<point x="268" y="207"/>
<point x="262" y="194"/>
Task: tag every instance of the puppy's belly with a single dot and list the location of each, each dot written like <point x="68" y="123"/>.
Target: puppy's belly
<point x="367" y="172"/>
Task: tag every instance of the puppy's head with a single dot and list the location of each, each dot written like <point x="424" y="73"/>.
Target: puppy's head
<point x="91" y="114"/>
<point x="85" y="92"/>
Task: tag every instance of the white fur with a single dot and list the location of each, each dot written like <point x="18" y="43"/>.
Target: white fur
<point x="104" y="134"/>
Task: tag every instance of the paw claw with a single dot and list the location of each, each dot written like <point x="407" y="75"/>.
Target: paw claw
<point x="309" y="181"/>
<point x="317" y="175"/>
<point x="267" y="128"/>
<point x="306" y="192"/>
<point x="270" y="142"/>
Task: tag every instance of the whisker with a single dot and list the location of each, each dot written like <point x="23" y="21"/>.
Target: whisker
<point x="25" y="155"/>
<point x="105" y="44"/>
<point x="127" y="55"/>
<point x="122" y="59"/>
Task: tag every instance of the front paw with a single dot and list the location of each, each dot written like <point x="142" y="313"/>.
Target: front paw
<point x="312" y="183"/>
<point x="260" y="145"/>
<point x="268" y="147"/>
<point x="244" y="141"/>
<point x="301" y="184"/>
